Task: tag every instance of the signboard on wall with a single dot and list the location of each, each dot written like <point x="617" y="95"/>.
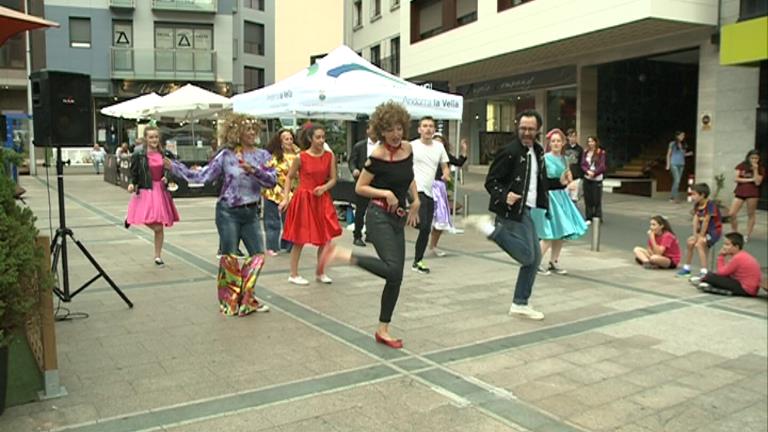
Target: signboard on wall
<point x="520" y="83"/>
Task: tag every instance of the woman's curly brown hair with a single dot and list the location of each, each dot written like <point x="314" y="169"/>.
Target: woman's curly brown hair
<point x="232" y="126"/>
<point x="386" y="116"/>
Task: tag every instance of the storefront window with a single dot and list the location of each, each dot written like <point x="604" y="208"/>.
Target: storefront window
<point x="500" y="114"/>
<point x="561" y="109"/>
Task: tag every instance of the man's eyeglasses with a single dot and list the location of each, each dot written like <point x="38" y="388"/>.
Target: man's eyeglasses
<point x="527" y="129"/>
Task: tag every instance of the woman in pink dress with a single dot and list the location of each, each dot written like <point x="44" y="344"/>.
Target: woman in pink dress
<point x="151" y="205"/>
<point x="311" y="217"/>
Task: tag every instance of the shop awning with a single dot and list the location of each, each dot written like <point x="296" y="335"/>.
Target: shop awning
<point x="13" y="22"/>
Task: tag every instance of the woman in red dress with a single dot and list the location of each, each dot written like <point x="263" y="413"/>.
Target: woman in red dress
<point x="311" y="217"/>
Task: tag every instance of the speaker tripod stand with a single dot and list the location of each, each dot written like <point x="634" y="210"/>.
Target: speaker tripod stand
<point x="59" y="249"/>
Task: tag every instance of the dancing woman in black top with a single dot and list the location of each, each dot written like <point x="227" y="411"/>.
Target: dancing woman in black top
<point x="386" y="179"/>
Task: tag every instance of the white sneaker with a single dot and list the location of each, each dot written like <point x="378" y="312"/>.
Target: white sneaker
<point x="526" y="311"/>
<point x="695" y="280"/>
<point x="298" y="280"/>
<point x="262" y="308"/>
<point x="437" y="252"/>
<point x="323" y="278"/>
<point x="542" y="271"/>
<point x="482" y="223"/>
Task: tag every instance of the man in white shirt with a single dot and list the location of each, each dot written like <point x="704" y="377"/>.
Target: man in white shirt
<point x="427" y="157"/>
<point x="360" y="153"/>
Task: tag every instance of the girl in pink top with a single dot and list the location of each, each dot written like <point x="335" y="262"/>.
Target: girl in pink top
<point x="663" y="250"/>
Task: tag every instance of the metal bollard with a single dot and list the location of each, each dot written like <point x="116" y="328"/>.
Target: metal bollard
<point x="595" y="246"/>
<point x="466" y="206"/>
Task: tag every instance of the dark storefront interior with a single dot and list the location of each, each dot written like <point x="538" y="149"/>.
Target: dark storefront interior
<point x="641" y="103"/>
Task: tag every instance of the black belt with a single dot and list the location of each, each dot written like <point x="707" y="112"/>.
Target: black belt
<point x="554" y="184"/>
<point x="249" y="205"/>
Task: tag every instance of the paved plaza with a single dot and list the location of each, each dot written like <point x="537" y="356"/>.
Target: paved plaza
<point x="621" y="348"/>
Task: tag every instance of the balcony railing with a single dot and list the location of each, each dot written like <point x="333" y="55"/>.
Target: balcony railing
<point x="186" y="5"/>
<point x="391" y="64"/>
<point x="130" y="63"/>
<point x="126" y="4"/>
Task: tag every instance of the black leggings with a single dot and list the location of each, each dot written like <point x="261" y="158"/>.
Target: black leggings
<point x="724" y="285"/>
<point x="593" y="199"/>
<point x="387" y="233"/>
<point x="426" y="212"/>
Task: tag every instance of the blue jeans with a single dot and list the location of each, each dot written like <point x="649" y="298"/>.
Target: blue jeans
<point x="677" y="173"/>
<point x="239" y="223"/>
<point x="519" y="240"/>
<point x="273" y="224"/>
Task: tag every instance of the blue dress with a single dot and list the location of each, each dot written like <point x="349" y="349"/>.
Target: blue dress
<point x="564" y="221"/>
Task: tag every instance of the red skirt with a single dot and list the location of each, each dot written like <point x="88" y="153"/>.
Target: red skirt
<point x="311" y="219"/>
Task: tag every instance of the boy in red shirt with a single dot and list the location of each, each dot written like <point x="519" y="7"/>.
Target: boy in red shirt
<point x="738" y="272"/>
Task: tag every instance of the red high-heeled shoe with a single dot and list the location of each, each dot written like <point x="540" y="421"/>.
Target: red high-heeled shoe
<point x="392" y="343"/>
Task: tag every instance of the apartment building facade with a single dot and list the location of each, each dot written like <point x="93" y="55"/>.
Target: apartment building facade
<point x="132" y="47"/>
<point x="628" y="72"/>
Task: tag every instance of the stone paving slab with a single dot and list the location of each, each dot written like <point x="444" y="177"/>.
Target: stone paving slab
<point x="621" y="348"/>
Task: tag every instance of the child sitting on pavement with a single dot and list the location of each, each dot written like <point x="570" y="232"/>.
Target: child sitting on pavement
<point x="738" y="272"/>
<point x="707" y="229"/>
<point x="663" y="251"/>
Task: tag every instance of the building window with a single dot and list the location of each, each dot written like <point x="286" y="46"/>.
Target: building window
<point x="254" y="4"/>
<point x="506" y="4"/>
<point x="394" y="49"/>
<point x="375" y="9"/>
<point x="394" y="4"/>
<point x="253" y="42"/>
<point x="376" y="55"/>
<point x="183" y="47"/>
<point x="253" y="78"/>
<point x="429" y="19"/>
<point x="80" y="32"/>
<point x="12" y="53"/>
<point x="357" y="13"/>
<point x="122" y="43"/>
<point x="561" y="109"/>
<point x="466" y="12"/>
<point x="749" y="9"/>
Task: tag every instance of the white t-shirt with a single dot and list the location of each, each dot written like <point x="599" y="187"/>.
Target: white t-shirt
<point x="530" y="199"/>
<point x="426" y="159"/>
<point x="370" y="147"/>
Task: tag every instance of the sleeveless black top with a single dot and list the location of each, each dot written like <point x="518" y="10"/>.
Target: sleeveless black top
<point x="395" y="176"/>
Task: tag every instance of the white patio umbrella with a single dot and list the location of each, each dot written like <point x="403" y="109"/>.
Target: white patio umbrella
<point x="132" y="108"/>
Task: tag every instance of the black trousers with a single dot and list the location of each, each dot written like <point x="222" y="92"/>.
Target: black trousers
<point x="361" y="204"/>
<point x="426" y="213"/>
<point x="387" y="232"/>
<point x="593" y="199"/>
<point x="724" y="285"/>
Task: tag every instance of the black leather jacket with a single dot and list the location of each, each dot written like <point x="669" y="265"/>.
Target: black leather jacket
<point x="141" y="178"/>
<point x="509" y="172"/>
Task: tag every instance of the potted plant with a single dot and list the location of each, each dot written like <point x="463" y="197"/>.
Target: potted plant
<point x="21" y="274"/>
<point x="719" y="185"/>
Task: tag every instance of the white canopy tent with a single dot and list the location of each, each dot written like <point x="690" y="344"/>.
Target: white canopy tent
<point x="188" y="103"/>
<point x="132" y="108"/>
<point x="341" y="86"/>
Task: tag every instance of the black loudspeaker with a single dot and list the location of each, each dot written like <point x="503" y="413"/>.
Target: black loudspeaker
<point x="61" y="109"/>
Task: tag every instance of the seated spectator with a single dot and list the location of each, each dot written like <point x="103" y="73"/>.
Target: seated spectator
<point x="707" y="229"/>
<point x="123" y="152"/>
<point x="663" y="251"/>
<point x="738" y="272"/>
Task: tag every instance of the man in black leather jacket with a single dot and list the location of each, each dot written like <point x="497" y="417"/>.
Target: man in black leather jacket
<point x="517" y="183"/>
